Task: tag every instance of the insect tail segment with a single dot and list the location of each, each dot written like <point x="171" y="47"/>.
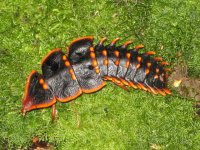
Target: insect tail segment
<point x="58" y="82"/>
<point x="130" y="68"/>
<point x="149" y="73"/>
<point x="37" y="93"/>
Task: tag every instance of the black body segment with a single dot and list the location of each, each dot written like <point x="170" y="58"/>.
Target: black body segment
<point x="88" y="79"/>
<point x="140" y="64"/>
<point x="131" y="71"/>
<point x="113" y="59"/>
<point x="60" y="77"/>
<point x="85" y="69"/>
<point x="85" y="64"/>
<point x="123" y="63"/>
<point x="79" y="48"/>
<point x="52" y="64"/>
<point x="101" y="60"/>
<point x="37" y="93"/>
<point x="156" y="79"/>
<point x="112" y="67"/>
<point x="63" y="86"/>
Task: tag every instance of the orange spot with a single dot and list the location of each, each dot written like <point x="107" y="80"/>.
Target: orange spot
<point x="156" y="76"/>
<point x="91" y="49"/>
<point x="124" y="81"/>
<point x="157" y="58"/>
<point x="64" y="57"/>
<point x="71" y="71"/>
<point x="41" y="81"/>
<point x="149" y="90"/>
<point x="97" y="70"/>
<point x="142" y="86"/>
<point x="132" y="85"/>
<point x="150" y="53"/>
<point x="105" y="62"/>
<point x="107" y="78"/>
<point x="67" y="63"/>
<point x="127" y="63"/>
<point x="138" y="66"/>
<point x="167" y="69"/>
<point x="128" y="55"/>
<point x="45" y="86"/>
<point x="116" y="53"/>
<point x="167" y="91"/>
<point x="148" y="64"/>
<point x="147" y="71"/>
<point x="115" y="80"/>
<point x="94" y="63"/>
<point x="117" y="62"/>
<point x="157" y="70"/>
<point x="73" y="77"/>
<point x="92" y="55"/>
<point x="137" y="47"/>
<point x="139" y="86"/>
<point x="119" y="83"/>
<point x="139" y="59"/>
<point x="104" y="53"/>
<point x="164" y="63"/>
<point x="153" y="90"/>
<point x="161" y="92"/>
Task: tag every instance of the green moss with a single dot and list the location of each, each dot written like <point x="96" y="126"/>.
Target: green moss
<point x="110" y="118"/>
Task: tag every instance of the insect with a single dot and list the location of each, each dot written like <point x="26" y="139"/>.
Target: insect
<point x="85" y="69"/>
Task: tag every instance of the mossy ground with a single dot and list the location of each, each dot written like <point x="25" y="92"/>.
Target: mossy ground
<point x="110" y="118"/>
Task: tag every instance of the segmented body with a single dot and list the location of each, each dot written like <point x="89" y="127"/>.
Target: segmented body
<point x="85" y="69"/>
